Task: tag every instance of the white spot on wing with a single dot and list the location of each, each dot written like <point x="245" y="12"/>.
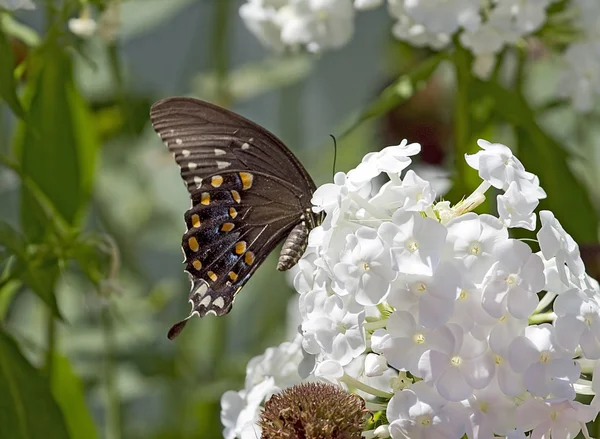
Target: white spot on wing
<point x="192" y="166"/>
<point x="185" y="152"/>
<point x="178" y="141"/>
<point x="198" y="181"/>
<point x="245" y="145"/>
<point x="219" y="151"/>
<point x="205" y="302"/>
<point x="219" y="302"/>
<point x="211" y="311"/>
<point x="223" y="165"/>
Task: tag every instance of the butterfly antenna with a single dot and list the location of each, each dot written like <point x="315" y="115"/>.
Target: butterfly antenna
<point x="334" y="153"/>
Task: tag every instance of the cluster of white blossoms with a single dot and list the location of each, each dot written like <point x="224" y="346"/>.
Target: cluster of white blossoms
<point x="580" y="78"/>
<point x="485" y="27"/>
<point x="434" y="314"/>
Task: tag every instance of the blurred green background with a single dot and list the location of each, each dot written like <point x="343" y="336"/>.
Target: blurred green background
<point x="91" y="203"/>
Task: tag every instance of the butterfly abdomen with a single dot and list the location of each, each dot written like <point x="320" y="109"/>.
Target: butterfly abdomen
<point x="293" y="247"/>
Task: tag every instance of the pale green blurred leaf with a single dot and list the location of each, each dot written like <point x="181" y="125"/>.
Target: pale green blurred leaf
<point x="69" y="393"/>
<point x="251" y="80"/>
<point x="57" y="146"/>
<point x="27" y="408"/>
<point x="7" y="79"/>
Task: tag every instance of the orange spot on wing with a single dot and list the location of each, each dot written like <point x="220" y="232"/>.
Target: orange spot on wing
<point x="205" y="198"/>
<point x="212" y="276"/>
<point x="227" y="227"/>
<point x="240" y="247"/>
<point x="246" y="180"/>
<point x="195" y="221"/>
<point x="249" y="258"/>
<point x="236" y="196"/>
<point x="193" y="243"/>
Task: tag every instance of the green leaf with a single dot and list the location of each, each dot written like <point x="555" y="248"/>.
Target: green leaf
<point x="12" y="240"/>
<point x="397" y="93"/>
<point x="27" y="408"/>
<point x="69" y="393"/>
<point x="58" y="146"/>
<point x="8" y="85"/>
<point x="253" y="79"/>
<point x="39" y="274"/>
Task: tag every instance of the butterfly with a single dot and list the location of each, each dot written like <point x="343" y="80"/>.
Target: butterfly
<point x="248" y="191"/>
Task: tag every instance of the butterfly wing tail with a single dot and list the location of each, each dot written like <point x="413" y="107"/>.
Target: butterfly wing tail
<point x="205" y="300"/>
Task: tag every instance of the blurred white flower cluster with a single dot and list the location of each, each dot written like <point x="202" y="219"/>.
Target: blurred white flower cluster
<point x="435" y="315"/>
<point x="485" y="27"/>
<point x="580" y="79"/>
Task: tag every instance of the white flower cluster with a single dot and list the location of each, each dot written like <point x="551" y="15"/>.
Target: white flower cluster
<point x="580" y="78"/>
<point x="486" y="25"/>
<point x="454" y="326"/>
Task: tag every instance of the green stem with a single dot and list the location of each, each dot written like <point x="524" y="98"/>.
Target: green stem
<point x="353" y="382"/>
<point x="547" y="317"/>
<point x="113" y="404"/>
<point x="461" y="114"/>
<point x="220" y="50"/>
<point x="50" y="343"/>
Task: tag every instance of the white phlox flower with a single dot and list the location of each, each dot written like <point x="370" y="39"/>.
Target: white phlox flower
<point x="547" y="368"/>
<point x="513" y="281"/>
<point x="469" y="365"/>
<point x="336" y="331"/>
<point x="433" y="313"/>
<point x="578" y="321"/>
<point x="499" y="167"/>
<point x="365" y="268"/>
<point x="415" y="242"/>
<point x="421" y="413"/>
<point x="407" y="341"/>
<point x="558" y="419"/>
<point x="474" y="241"/>
<point x="555" y="242"/>
<point x="516" y="209"/>
<point x="413" y="193"/>
<point x="444" y="16"/>
<point x="431" y="298"/>
<point x="491" y="413"/>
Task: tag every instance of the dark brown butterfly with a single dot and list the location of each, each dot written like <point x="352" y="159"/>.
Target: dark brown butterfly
<point x="248" y="193"/>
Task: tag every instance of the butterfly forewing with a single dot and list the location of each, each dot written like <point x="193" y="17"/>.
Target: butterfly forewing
<point x="248" y="192"/>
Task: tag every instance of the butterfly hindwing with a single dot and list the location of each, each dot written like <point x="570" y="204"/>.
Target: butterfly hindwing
<point x="248" y="192"/>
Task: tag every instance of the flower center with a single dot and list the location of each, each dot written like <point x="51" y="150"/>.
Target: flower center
<point x="553" y="415"/>
<point x="545" y="357"/>
<point x="498" y="359"/>
<point x="463" y="295"/>
<point x="512" y="280"/>
<point x="412" y="245"/>
<point x="419" y="338"/>
<point x="456" y="361"/>
<point x="475" y="248"/>
<point x="365" y="266"/>
<point x="419" y="287"/>
<point x="342" y="328"/>
<point x="400" y="382"/>
<point x="484" y="406"/>
<point x="424" y="421"/>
